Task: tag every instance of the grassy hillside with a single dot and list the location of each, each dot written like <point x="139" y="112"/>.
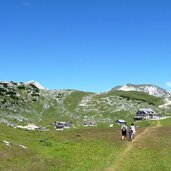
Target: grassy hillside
<point x="114" y="105"/>
<point x="72" y="101"/>
<point x="24" y="103"/>
<point x="135" y="95"/>
<point x="81" y="148"/>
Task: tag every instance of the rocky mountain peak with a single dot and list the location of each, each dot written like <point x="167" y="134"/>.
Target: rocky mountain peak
<point x="37" y="84"/>
<point x="147" y="88"/>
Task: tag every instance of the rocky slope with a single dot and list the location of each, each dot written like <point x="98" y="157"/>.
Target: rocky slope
<point x="147" y="88"/>
<point x="31" y="102"/>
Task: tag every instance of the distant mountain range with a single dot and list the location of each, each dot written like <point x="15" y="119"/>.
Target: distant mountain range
<point x="147" y="88"/>
<point x="31" y="102"/>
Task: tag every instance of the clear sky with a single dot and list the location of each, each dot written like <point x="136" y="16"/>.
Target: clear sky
<point x="89" y="45"/>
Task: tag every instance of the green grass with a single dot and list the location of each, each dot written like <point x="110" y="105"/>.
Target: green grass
<point x="88" y="149"/>
<point x="153" y="153"/>
<point x="73" y="99"/>
<point x="166" y="122"/>
<point x="75" y="149"/>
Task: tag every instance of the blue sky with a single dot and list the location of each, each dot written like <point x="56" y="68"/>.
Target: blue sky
<point x="89" y="45"/>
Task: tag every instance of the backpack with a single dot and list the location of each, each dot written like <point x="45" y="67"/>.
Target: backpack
<point x="124" y="128"/>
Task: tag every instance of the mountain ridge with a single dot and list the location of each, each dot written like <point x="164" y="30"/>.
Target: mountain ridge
<point x="147" y="88"/>
<point x="135" y="87"/>
<point x="31" y="102"/>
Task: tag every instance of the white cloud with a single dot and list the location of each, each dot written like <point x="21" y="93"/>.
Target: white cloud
<point x="168" y="84"/>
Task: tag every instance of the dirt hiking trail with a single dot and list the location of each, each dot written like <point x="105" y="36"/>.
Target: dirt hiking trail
<point x="124" y="154"/>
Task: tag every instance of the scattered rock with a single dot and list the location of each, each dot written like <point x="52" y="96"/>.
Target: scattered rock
<point x="22" y="146"/>
<point x="7" y="143"/>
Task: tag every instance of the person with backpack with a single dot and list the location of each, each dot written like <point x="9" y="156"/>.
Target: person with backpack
<point x="124" y="131"/>
<point x="133" y="129"/>
<point x="130" y="134"/>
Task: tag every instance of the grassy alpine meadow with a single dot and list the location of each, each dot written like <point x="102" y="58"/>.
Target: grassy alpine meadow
<point x="75" y="149"/>
<point x="151" y="151"/>
<point x="87" y="149"/>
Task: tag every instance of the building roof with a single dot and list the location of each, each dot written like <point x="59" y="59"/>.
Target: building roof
<point x="120" y="121"/>
<point x="147" y="111"/>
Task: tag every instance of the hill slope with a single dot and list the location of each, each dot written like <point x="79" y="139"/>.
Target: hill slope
<point x="31" y="102"/>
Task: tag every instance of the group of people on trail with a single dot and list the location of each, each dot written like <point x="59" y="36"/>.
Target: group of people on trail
<point x="130" y="133"/>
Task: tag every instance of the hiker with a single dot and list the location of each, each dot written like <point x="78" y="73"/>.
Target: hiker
<point x="124" y="131"/>
<point x="131" y="134"/>
<point x="133" y="129"/>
